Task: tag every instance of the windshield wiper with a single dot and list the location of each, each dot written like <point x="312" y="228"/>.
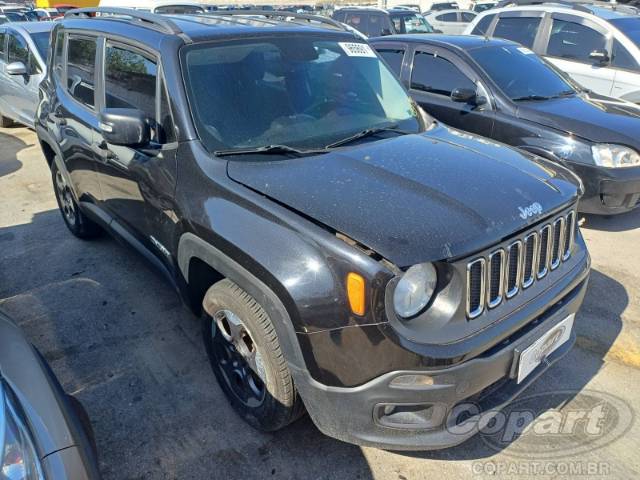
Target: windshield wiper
<point x="268" y="150"/>
<point x="367" y="133"/>
<point x="565" y="93"/>
<point x="531" y="97"/>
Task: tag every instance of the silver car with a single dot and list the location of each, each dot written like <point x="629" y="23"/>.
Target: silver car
<point x="23" y="54"/>
<point x="44" y="433"/>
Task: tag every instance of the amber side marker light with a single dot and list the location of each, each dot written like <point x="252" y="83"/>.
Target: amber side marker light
<point x="355" y="292"/>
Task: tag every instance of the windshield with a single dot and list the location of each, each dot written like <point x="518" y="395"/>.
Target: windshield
<point x="630" y="26"/>
<point x="413" y="23"/>
<point x="520" y="73"/>
<point x="41" y="39"/>
<point x="307" y="93"/>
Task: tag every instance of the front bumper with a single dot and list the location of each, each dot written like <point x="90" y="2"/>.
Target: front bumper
<point x="361" y="414"/>
<point x="609" y="191"/>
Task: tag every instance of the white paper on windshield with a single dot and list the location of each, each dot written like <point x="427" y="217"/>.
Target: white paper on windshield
<point x="525" y="50"/>
<point x="357" y="49"/>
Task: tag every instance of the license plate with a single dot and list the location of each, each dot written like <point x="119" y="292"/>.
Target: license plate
<point x="535" y="354"/>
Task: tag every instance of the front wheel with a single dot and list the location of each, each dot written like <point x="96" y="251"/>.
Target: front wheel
<point x="247" y="360"/>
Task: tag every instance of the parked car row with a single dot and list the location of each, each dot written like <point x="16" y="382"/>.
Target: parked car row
<point x="349" y="217"/>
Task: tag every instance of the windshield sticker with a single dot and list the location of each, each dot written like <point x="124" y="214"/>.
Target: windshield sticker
<point x="525" y="50"/>
<point x="357" y="49"/>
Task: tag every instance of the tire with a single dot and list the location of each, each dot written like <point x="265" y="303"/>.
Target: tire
<point x="236" y="330"/>
<point x="76" y="221"/>
<point x="5" y="122"/>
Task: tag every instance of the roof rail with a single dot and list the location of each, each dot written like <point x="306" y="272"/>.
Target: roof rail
<point x="150" y="20"/>
<point x="276" y="14"/>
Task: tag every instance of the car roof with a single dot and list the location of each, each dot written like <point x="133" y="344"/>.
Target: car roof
<point x="450" y="10"/>
<point x="581" y="9"/>
<point x="459" y="42"/>
<point x="201" y="27"/>
<point x="31" y="27"/>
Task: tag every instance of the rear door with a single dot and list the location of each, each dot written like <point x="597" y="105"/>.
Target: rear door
<point x="138" y="184"/>
<point x="435" y="73"/>
<point x="73" y="111"/>
<point x="570" y="43"/>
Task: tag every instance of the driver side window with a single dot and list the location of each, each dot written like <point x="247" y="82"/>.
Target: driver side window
<point x="574" y="41"/>
<point x="434" y="74"/>
<point x="18" y="51"/>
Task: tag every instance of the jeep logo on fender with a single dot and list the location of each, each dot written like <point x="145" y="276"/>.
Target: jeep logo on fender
<point x="530" y="211"/>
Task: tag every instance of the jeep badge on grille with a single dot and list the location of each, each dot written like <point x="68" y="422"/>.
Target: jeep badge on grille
<point x="530" y="211"/>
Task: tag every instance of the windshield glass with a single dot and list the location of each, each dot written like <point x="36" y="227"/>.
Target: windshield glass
<point x="630" y="26"/>
<point x="413" y="23"/>
<point x="520" y="73"/>
<point x="41" y="39"/>
<point x="307" y="93"/>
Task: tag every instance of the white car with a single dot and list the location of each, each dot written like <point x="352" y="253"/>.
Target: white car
<point x="598" y="45"/>
<point x="451" y="22"/>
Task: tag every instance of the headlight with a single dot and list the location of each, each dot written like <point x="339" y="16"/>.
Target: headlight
<point x="18" y="457"/>
<point x="414" y="290"/>
<point x="615" y="156"/>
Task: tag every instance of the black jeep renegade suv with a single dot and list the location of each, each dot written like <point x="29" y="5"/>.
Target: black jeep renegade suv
<point x="400" y="279"/>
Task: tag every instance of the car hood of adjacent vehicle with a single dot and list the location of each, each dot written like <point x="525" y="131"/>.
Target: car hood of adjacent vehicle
<point x="415" y="198"/>
<point x="592" y="117"/>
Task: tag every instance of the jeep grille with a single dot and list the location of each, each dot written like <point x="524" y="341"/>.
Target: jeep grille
<point x="500" y="274"/>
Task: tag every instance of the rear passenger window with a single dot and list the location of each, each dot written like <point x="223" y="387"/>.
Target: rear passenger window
<point x="81" y="66"/>
<point x="574" y="41"/>
<point x="622" y="58"/>
<point x="447" y="17"/>
<point x="467" y="17"/>
<point x="483" y="25"/>
<point x="394" y="59"/>
<point x="438" y="75"/>
<point x="522" y="30"/>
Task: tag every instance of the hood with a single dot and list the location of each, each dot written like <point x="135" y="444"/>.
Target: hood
<point x="595" y="118"/>
<point x="415" y="198"/>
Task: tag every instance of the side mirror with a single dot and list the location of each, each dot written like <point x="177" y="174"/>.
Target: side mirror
<point x="17" y="68"/>
<point x="599" y="57"/>
<point x="464" y="95"/>
<point x="124" y="126"/>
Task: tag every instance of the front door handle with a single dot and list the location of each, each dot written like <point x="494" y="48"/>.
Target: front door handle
<point x="59" y="122"/>
<point x="102" y="150"/>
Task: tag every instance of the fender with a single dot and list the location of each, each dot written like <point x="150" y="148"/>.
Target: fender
<point x="190" y="246"/>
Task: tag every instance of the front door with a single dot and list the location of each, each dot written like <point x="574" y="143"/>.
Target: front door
<point x="436" y="73"/>
<point x="572" y="41"/>
<point x="23" y="96"/>
<point x="137" y="184"/>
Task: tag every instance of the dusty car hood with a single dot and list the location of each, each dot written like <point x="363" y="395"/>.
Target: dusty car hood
<point x="593" y="117"/>
<point x="415" y="198"/>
